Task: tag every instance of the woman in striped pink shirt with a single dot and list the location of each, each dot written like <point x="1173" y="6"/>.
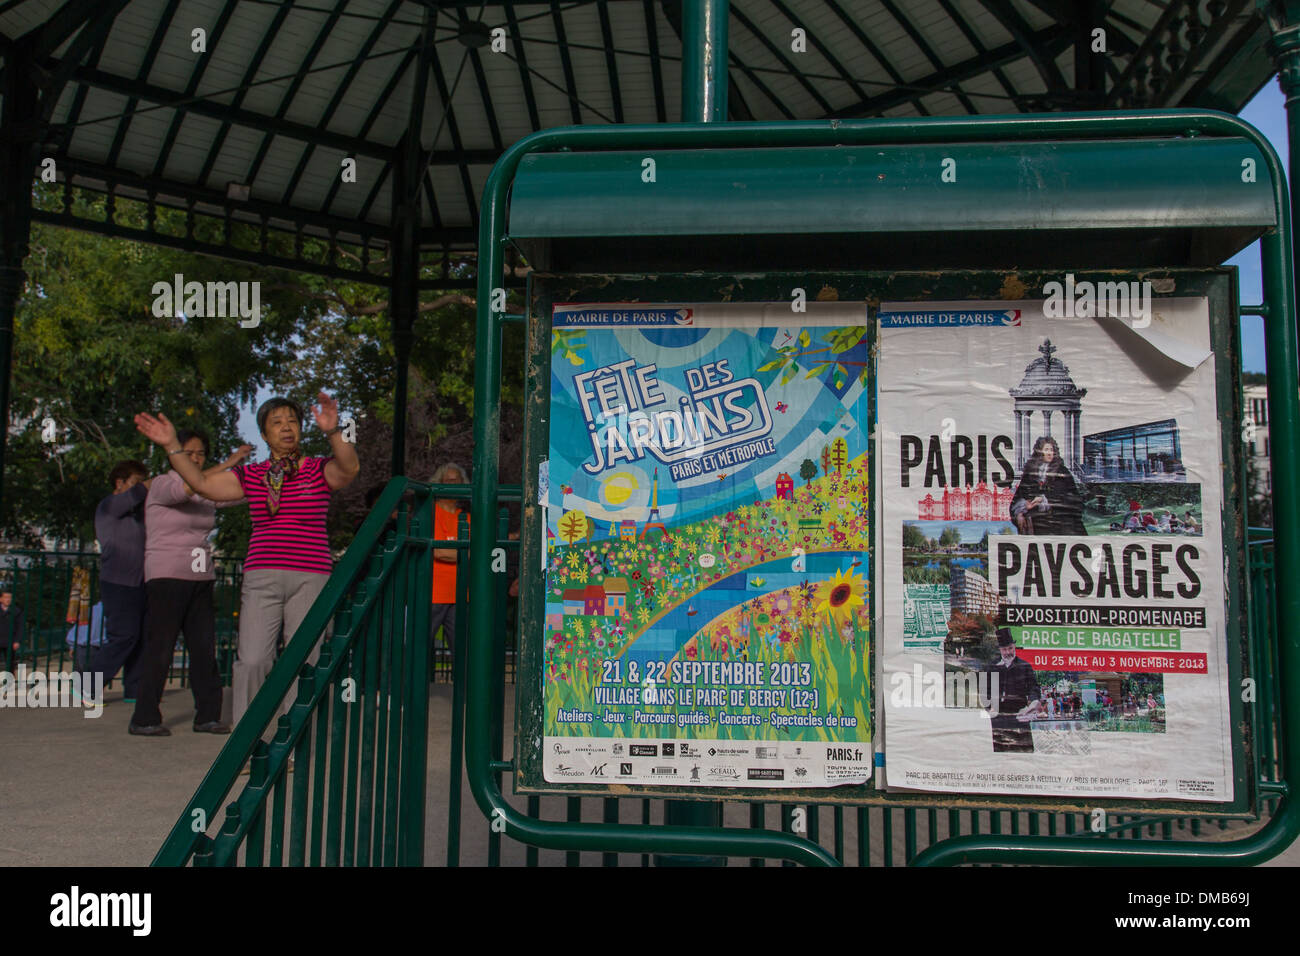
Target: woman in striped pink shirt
<point x="288" y="496"/>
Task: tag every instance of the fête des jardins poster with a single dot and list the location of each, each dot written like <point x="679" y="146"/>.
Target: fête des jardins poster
<point x="706" y="569"/>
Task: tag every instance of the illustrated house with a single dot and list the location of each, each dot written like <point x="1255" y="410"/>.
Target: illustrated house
<point x="593" y="600"/>
<point x="615" y="596"/>
<point x="784" y="487"/>
<point x="574" y="601"/>
<point x="627" y="529"/>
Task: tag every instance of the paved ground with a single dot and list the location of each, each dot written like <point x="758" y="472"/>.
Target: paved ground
<point x="78" y="792"/>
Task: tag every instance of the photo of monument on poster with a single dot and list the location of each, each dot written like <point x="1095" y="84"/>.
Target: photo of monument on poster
<point x="1051" y="576"/>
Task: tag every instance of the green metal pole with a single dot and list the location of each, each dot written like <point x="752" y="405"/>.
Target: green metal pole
<point x="403" y="299"/>
<point x="16" y="155"/>
<point x="704" y="100"/>
<point x="704" y="60"/>
<point x="459" y="686"/>
<point x="1284" y="47"/>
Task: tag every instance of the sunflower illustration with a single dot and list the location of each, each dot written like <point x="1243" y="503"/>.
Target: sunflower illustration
<point x="843" y="593"/>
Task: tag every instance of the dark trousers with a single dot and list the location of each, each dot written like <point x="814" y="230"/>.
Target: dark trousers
<point x="124" y="635"/>
<point x="176" y="605"/>
<point x="443" y="616"/>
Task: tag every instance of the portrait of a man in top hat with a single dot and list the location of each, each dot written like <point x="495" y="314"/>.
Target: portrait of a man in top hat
<point x="1017" y="698"/>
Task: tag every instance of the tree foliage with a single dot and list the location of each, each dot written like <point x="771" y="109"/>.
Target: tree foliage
<point x="89" y="354"/>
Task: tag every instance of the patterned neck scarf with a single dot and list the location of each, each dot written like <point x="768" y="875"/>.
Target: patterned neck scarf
<point x="281" y="469"/>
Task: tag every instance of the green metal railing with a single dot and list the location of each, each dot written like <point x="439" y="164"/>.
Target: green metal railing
<point x="354" y="734"/>
<point x="1031" y="845"/>
<point x="343" y="780"/>
<point x="42" y="584"/>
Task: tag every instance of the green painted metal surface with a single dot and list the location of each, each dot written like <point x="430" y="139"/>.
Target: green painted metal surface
<point x="1167" y="184"/>
<point x="356" y="723"/>
<point x="704" y="60"/>
<point x="996" y="847"/>
<point x="1216" y="286"/>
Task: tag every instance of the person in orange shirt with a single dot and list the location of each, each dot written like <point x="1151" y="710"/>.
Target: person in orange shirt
<point x="446" y="517"/>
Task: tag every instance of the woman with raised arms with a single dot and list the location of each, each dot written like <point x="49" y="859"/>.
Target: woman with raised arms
<point x="288" y="495"/>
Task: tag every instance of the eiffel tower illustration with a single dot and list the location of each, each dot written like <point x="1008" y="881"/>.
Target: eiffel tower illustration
<point x="655" y="521"/>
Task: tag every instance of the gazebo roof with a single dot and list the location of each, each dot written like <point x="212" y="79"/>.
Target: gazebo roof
<point x="285" y="92"/>
<point x="1047" y="376"/>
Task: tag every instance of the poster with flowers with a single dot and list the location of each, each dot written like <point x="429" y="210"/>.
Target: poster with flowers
<point x="707" y="546"/>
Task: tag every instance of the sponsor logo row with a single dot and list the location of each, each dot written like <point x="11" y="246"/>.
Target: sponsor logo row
<point x="682" y="749"/>
<point x="694" y="774"/>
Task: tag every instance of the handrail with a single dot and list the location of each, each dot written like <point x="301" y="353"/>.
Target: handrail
<point x="1280" y="348"/>
<point x="183" y="840"/>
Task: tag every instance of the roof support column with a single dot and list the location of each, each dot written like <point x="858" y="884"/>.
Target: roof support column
<point x="1285" y="50"/>
<point x="704" y="100"/>
<point x="704" y="60"/>
<point x="17" y="127"/>
<point x="404" y="296"/>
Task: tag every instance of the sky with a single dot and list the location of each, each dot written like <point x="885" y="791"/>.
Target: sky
<point x="248" y="423"/>
<point x="1266" y="112"/>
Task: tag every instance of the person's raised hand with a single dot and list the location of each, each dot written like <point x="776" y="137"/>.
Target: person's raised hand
<point x="240" y="453"/>
<point x="158" y="430"/>
<point x="326" y="413"/>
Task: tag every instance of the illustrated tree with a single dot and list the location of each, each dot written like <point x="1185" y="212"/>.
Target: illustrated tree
<point x="808" y="471"/>
<point x="573" y="525"/>
<point x="826" y="459"/>
<point x="90" y="353"/>
<point x="839" y="454"/>
<point x="842" y="357"/>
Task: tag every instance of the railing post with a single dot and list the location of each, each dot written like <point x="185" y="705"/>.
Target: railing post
<point x="459" y="690"/>
<point x="499" y="675"/>
<point x="415" y="735"/>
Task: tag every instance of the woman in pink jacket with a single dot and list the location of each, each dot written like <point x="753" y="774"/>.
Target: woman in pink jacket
<point x="179" y="581"/>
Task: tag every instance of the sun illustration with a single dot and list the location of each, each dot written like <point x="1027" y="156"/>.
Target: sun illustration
<point x="618" y="487"/>
<point x="843" y="593"/>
